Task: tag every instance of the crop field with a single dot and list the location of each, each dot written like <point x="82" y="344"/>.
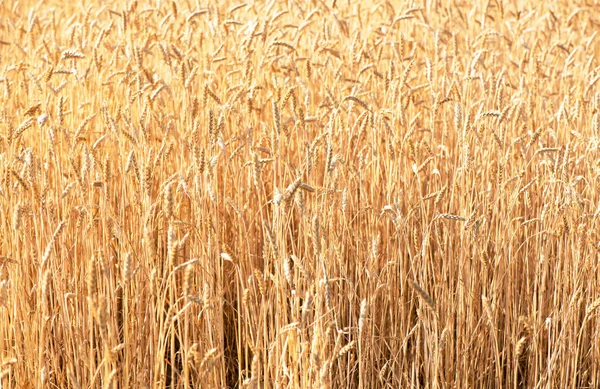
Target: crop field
<point x="299" y="194"/>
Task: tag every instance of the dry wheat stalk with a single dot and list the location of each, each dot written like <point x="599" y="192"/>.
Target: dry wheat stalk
<point x="181" y="225"/>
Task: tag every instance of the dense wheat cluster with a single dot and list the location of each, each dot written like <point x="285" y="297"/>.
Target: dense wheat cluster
<point x="293" y="194"/>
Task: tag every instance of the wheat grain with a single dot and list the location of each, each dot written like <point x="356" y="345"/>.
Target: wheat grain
<point x="263" y="185"/>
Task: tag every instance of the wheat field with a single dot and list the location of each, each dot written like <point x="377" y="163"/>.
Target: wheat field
<point x="299" y="194"/>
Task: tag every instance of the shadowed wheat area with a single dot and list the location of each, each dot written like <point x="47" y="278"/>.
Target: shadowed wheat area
<point x="299" y="194"/>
